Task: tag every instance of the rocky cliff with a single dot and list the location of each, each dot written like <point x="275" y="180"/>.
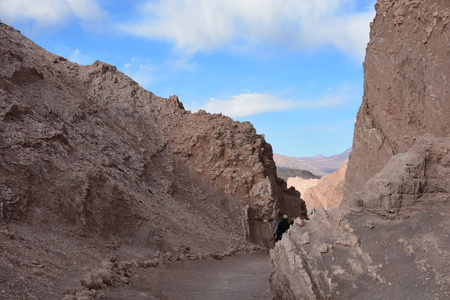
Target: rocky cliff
<point x="86" y="153"/>
<point x="326" y="192"/>
<point x="389" y="238"/>
<point x="406" y="88"/>
<point x="303" y="185"/>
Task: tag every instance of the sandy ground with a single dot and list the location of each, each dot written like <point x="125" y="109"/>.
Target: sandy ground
<point x="239" y="277"/>
<point x="42" y="264"/>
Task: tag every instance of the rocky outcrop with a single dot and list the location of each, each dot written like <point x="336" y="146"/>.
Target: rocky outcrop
<point x="239" y="163"/>
<point x="285" y="174"/>
<point x="87" y="144"/>
<point x="302" y="185"/>
<point x="87" y="149"/>
<point x="412" y="181"/>
<point x="405" y="103"/>
<point x="388" y="238"/>
<point x="326" y="192"/>
<point x="341" y="255"/>
<point x="406" y="88"/>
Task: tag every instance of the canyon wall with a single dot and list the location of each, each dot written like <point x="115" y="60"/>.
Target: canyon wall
<point x="87" y="146"/>
<point x="389" y="238"/>
<point x="406" y="88"/>
<point x="326" y="192"/>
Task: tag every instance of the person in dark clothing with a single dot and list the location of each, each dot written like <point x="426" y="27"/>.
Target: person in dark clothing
<point x="276" y="222"/>
<point x="282" y="227"/>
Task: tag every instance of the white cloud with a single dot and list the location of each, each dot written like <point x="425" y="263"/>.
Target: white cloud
<point x="146" y="72"/>
<point x="332" y="98"/>
<point x="46" y="13"/>
<point x="181" y="64"/>
<point x="80" y="58"/>
<point x="86" y="9"/>
<point x="141" y="71"/>
<point x="206" y="25"/>
<point x="247" y="104"/>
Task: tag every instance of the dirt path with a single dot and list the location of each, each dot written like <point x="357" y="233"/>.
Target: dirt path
<point x="240" y="277"/>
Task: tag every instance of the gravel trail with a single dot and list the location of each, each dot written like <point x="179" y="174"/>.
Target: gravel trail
<point x="240" y="277"/>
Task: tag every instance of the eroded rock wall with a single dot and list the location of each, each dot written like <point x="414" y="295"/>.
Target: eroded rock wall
<point x="388" y="239"/>
<point x="87" y="146"/>
<point x="413" y="181"/>
<point x="326" y="192"/>
<point x="406" y="88"/>
<point x="303" y="185"/>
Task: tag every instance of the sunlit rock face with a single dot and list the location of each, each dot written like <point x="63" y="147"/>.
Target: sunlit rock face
<point x="326" y="192"/>
<point x="389" y="237"/>
<point x="406" y="88"/>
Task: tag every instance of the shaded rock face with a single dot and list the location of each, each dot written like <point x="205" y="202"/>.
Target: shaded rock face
<point x="87" y="146"/>
<point x="389" y="238"/>
<point x="326" y="192"/>
<point x="285" y="174"/>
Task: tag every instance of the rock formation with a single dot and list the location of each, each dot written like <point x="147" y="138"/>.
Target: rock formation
<point x="406" y="88"/>
<point x="285" y="174"/>
<point x="389" y="238"/>
<point x="302" y="185"/>
<point x="86" y="153"/>
<point x="326" y="192"/>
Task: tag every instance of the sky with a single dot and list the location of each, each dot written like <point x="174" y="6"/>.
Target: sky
<point x="293" y="68"/>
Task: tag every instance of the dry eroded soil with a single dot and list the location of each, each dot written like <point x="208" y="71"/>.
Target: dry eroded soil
<point x="238" y="277"/>
<point x="46" y="264"/>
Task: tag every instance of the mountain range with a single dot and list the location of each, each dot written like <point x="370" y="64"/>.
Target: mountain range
<point x="319" y="165"/>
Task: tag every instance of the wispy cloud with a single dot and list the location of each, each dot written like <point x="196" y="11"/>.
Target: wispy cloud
<point x="247" y="104"/>
<point x="142" y="71"/>
<point x="46" y="13"/>
<point x="179" y="62"/>
<point x="206" y="25"/>
<point x="86" y="9"/>
<point x="80" y="58"/>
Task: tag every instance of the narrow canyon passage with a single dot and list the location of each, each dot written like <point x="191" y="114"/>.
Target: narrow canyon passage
<point x="240" y="277"/>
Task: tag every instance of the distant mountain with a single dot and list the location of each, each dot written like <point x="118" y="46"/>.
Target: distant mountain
<point x="319" y="165"/>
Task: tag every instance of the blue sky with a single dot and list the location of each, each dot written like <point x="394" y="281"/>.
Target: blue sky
<point x="293" y="68"/>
